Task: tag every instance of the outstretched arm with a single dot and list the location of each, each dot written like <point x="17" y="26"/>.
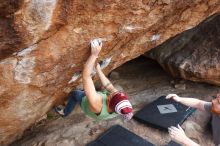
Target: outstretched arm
<point x="178" y="135"/>
<point x="105" y="81"/>
<point x="94" y="99"/>
<point x="191" y="102"/>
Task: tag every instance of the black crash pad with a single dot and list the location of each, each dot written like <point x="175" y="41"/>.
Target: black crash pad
<point x="172" y="143"/>
<point x="163" y="113"/>
<point x="119" y="136"/>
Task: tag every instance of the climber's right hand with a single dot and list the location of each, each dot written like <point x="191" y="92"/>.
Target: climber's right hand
<point x="96" y="46"/>
<point x="98" y="67"/>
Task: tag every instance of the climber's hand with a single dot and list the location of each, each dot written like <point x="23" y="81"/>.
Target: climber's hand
<point x="98" y="67"/>
<point x="96" y="46"/>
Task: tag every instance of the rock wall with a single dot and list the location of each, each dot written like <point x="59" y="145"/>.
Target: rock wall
<point x="44" y="44"/>
<point x="194" y="54"/>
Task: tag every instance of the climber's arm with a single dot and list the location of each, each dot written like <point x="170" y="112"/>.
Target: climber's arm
<point x="95" y="100"/>
<point x="105" y="81"/>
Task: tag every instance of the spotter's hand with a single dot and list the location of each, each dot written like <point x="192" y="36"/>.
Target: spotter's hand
<point x="174" y="97"/>
<point x="177" y="134"/>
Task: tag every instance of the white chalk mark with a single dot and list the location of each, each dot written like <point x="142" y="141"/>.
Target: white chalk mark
<point x="131" y="28"/>
<point x="155" y="37"/>
<point x="26" y="51"/>
<point x="74" y="77"/>
<point x="38" y="16"/>
<point x="78" y="30"/>
<point x="73" y="65"/>
<point x="24" y="70"/>
<point x="104" y="63"/>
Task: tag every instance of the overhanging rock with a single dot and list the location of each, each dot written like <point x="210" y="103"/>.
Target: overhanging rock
<point x="45" y="43"/>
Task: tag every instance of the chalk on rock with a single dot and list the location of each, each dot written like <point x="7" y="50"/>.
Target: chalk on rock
<point x="74" y="77"/>
<point x="104" y="63"/>
<point x="96" y="42"/>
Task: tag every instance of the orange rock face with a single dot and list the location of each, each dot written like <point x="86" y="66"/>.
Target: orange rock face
<point x="45" y="43"/>
<point x="194" y="54"/>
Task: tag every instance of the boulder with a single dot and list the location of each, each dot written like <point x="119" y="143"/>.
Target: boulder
<point x="44" y="44"/>
<point x="194" y="54"/>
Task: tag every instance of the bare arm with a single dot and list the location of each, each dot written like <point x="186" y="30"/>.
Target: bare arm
<point x="191" y="102"/>
<point x="95" y="100"/>
<point x="178" y="135"/>
<point x="190" y="142"/>
<point x="105" y="81"/>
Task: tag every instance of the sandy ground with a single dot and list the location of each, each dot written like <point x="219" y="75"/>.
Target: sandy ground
<point x="144" y="80"/>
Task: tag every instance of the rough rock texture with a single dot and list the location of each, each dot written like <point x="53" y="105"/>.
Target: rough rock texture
<point x="194" y="54"/>
<point x="44" y="43"/>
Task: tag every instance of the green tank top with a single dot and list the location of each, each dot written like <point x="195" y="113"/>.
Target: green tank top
<point x="104" y="115"/>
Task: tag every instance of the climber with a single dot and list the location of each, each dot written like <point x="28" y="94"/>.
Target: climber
<point x="178" y="135"/>
<point x="99" y="105"/>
